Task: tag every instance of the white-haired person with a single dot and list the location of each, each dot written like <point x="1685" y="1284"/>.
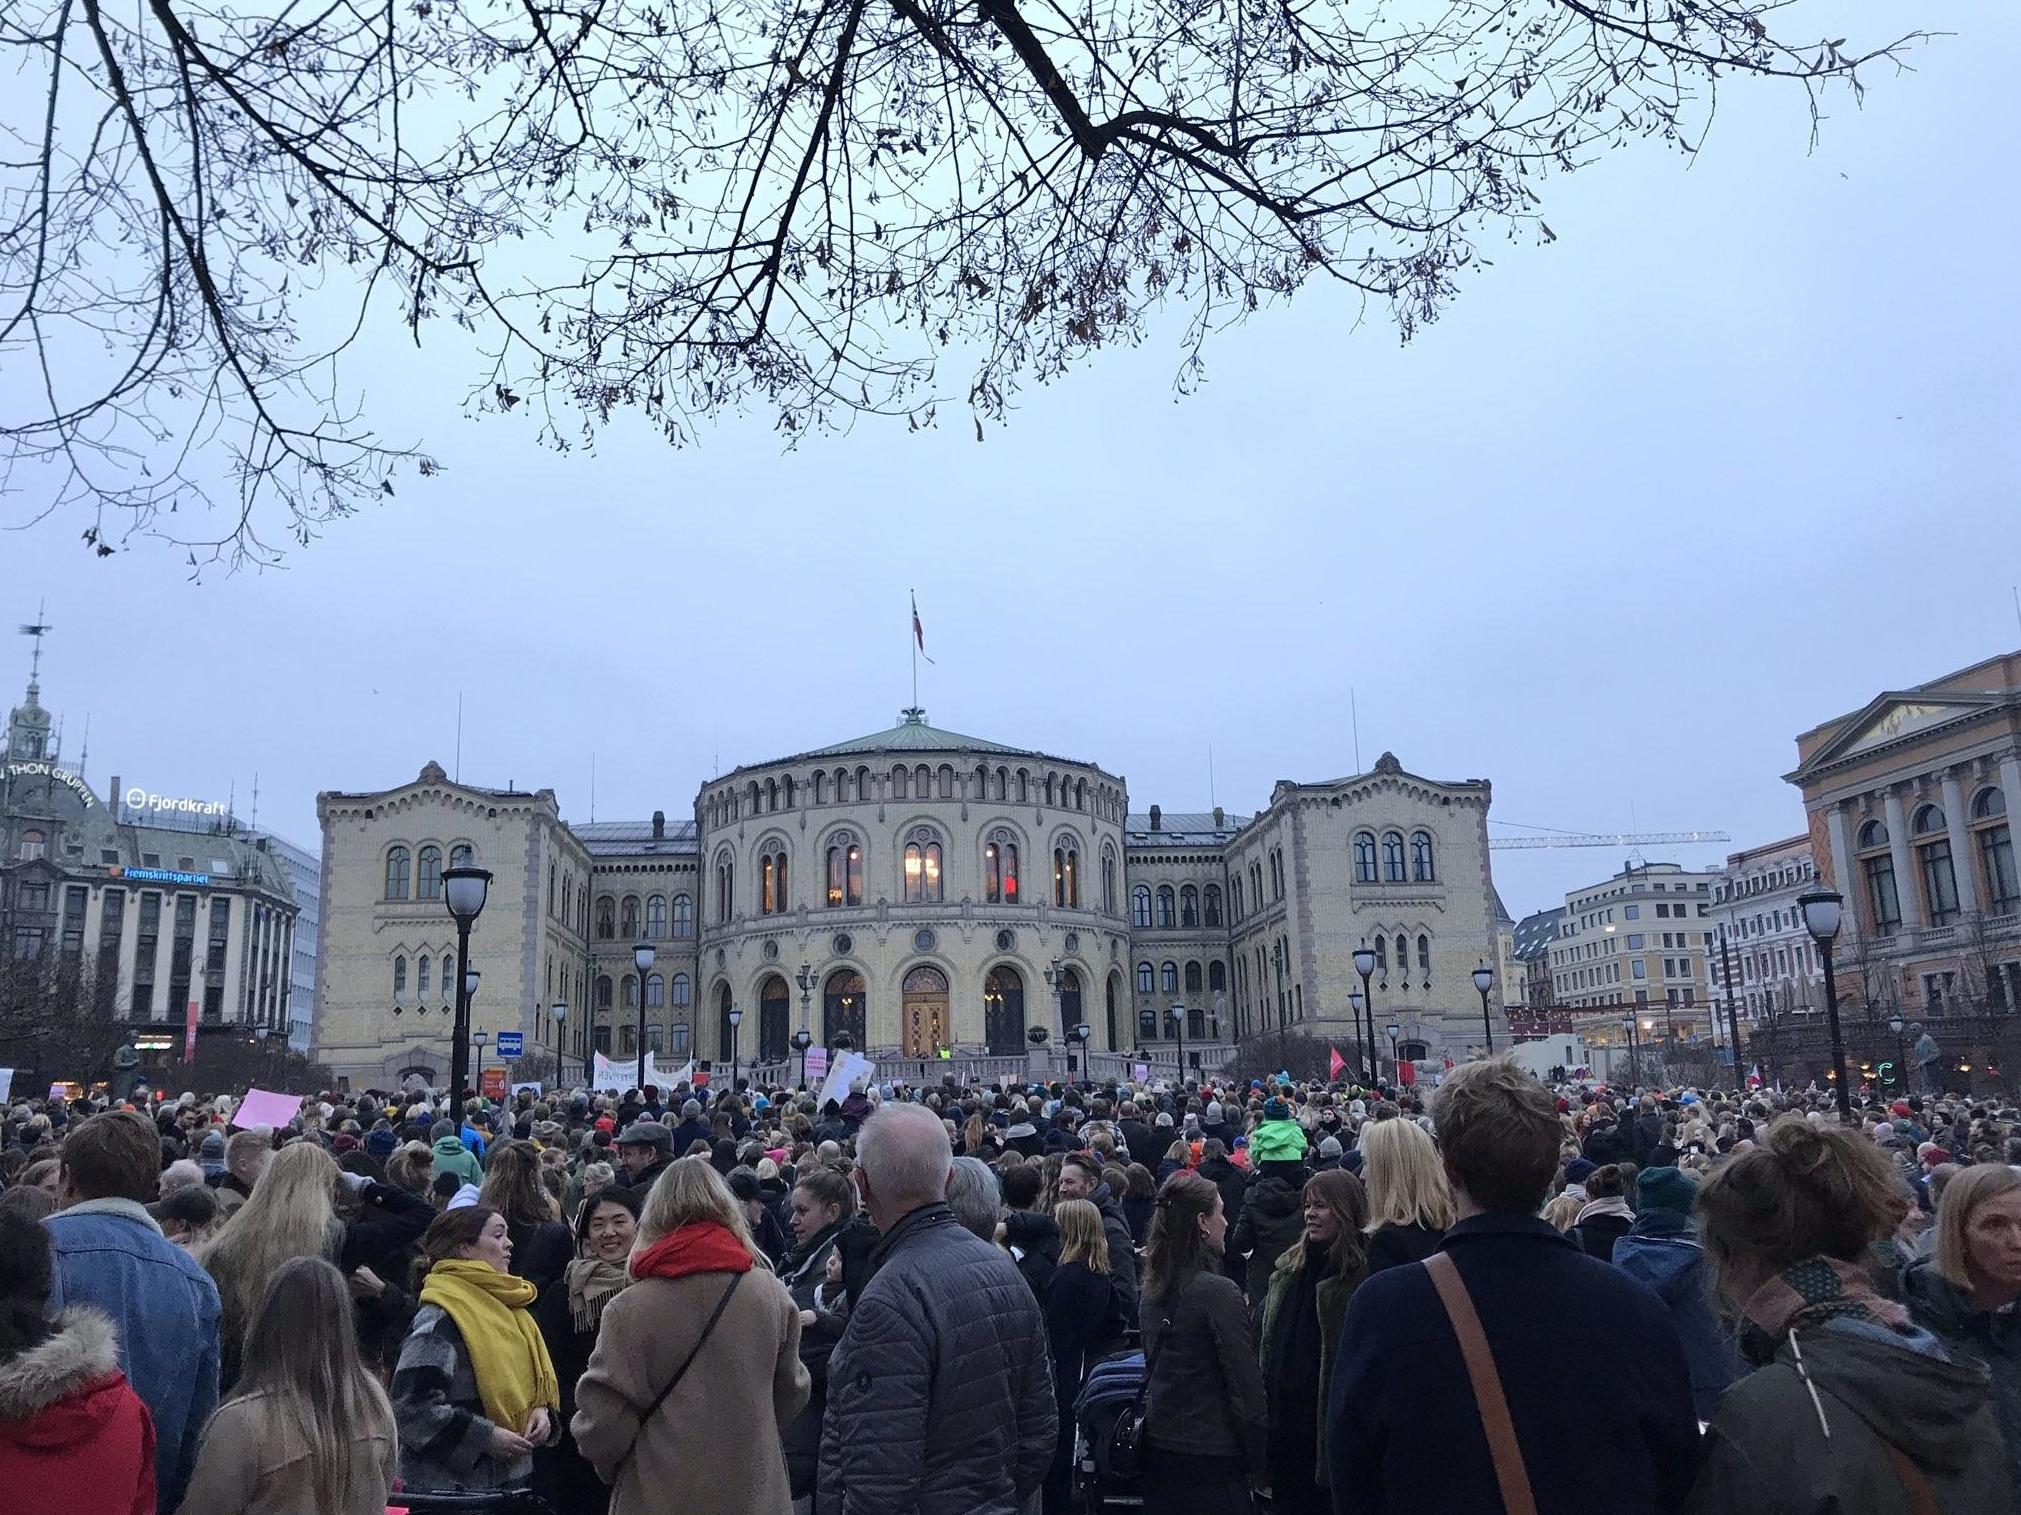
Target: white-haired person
<point x="941" y="1384"/>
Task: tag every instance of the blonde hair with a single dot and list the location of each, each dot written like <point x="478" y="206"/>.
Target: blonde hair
<point x="1406" y="1182"/>
<point x="1968" y="1189"/>
<point x="292" y="1213"/>
<point x="1563" y="1211"/>
<point x="691" y="1191"/>
<point x="1081" y="1236"/>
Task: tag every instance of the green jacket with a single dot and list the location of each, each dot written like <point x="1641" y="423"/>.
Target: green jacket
<point x="451" y="1156"/>
<point x="1330" y="1304"/>
<point x="1768" y="1452"/>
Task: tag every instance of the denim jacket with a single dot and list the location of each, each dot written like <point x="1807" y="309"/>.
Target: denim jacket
<point x="110" y="1254"/>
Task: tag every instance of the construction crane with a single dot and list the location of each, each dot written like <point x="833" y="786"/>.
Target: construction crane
<point x="1606" y="839"/>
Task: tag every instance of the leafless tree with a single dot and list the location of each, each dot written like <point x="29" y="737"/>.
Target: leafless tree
<point x="691" y="206"/>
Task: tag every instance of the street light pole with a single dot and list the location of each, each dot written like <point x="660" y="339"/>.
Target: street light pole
<point x="1629" y="1026"/>
<point x="1396" y="1060"/>
<point x="1355" y="1001"/>
<point x="802" y="1040"/>
<point x="1732" y="1016"/>
<point x="736" y="1020"/>
<point x="1364" y="964"/>
<point x="1821" y="909"/>
<point x="1178" y="1014"/>
<point x="642" y="959"/>
<point x="480" y="1037"/>
<point x="1484" y="980"/>
<point x="560" y="1014"/>
<point x="463" y="892"/>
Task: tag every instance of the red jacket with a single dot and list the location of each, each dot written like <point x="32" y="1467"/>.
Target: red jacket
<point x="71" y="1428"/>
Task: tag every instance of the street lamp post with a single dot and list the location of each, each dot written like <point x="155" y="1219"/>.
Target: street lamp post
<point x="1355" y="1000"/>
<point x="1395" y="1031"/>
<point x="1364" y="964"/>
<point x="642" y="959"/>
<point x="480" y="1037"/>
<point x="1178" y="1014"/>
<point x="560" y="1014"/>
<point x="1821" y="909"/>
<point x="1629" y="1026"/>
<point x="463" y="891"/>
<point x="1079" y="1035"/>
<point x="1484" y="980"/>
<point x="736" y="1020"/>
<point x="1897" y="1025"/>
<point x="802" y="1040"/>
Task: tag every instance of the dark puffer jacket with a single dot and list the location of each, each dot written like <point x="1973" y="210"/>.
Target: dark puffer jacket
<point x="1992" y="1336"/>
<point x="1273" y="1217"/>
<point x="940" y="1393"/>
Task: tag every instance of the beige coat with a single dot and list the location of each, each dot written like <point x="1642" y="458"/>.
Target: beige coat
<point x="715" y="1440"/>
<point x="252" y="1464"/>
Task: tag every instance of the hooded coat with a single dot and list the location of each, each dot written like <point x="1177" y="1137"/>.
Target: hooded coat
<point x="1273" y="1216"/>
<point x="1774" y="1450"/>
<point x="451" y="1156"/>
<point x="70" y="1422"/>
<point x="1992" y="1336"/>
<point x="1663" y="1251"/>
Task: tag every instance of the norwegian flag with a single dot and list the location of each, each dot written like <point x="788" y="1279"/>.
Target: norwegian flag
<point x="1334" y="1063"/>
<point x="918" y="631"/>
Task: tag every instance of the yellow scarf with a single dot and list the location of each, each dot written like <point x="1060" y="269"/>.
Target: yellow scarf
<point x="514" y="1375"/>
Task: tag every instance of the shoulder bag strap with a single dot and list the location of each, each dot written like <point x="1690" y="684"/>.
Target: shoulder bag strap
<point x="1503" y="1448"/>
<point x="1922" y="1500"/>
<point x="1151" y="1362"/>
<point x="681" y="1372"/>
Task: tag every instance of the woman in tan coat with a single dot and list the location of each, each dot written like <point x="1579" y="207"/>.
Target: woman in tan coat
<point x="306" y="1427"/>
<point x="707" y="1341"/>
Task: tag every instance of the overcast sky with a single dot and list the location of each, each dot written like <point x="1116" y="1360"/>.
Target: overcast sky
<point x="1734" y="454"/>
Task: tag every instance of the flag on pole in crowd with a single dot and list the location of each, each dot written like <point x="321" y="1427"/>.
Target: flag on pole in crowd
<point x="1334" y="1062"/>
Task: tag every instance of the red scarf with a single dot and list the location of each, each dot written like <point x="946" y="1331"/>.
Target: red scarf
<point x="703" y="1246"/>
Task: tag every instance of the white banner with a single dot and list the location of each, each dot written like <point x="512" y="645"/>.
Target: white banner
<point x="850" y="1067"/>
<point x="622" y="1073"/>
<point x="6" y="1082"/>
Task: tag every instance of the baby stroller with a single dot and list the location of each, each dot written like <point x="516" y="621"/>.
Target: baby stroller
<point x="486" y="1502"/>
<point x="1105" y="1463"/>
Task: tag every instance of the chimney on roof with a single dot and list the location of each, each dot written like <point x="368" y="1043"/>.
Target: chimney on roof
<point x="1157" y="819"/>
<point x="659" y="825"/>
<point x="112" y="797"/>
<point x="1220" y="817"/>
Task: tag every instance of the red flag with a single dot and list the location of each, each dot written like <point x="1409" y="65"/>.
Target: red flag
<point x="918" y="631"/>
<point x="1334" y="1063"/>
<point x="1406" y="1072"/>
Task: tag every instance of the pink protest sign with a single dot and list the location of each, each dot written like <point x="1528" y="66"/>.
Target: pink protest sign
<point x="263" y="1107"/>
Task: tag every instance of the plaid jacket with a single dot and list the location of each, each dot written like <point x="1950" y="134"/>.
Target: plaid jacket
<point x="443" y="1430"/>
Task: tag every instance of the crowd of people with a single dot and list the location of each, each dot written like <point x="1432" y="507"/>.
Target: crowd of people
<point x="1498" y="1295"/>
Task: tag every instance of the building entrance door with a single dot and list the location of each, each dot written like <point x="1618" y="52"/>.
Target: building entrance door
<point x="924" y="1012"/>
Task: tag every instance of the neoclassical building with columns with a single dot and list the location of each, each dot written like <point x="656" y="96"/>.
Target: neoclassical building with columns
<point x="926" y="895"/>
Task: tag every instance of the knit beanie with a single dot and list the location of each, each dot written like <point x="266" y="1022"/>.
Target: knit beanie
<point x="1665" y="1189"/>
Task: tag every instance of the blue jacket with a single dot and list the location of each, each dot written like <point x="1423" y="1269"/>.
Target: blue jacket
<point x="1662" y="1250"/>
<point x="111" y="1255"/>
<point x="1590" y="1365"/>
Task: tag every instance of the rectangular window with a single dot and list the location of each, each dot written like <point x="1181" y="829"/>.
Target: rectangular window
<point x="147" y="947"/>
<point x="220" y="923"/>
<point x="31" y="898"/>
<point x="28" y="941"/>
<point x="1639" y="968"/>
<point x="1634" y="941"/>
<point x="1631" y="912"/>
<point x="76" y="898"/>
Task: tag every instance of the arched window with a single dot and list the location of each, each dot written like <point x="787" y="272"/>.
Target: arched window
<point x="1193" y="978"/>
<point x="774" y="1019"/>
<point x="1211" y="896"/>
<point x="1217" y="977"/>
<point x="1402" y="955"/>
<point x="922" y="782"/>
<point x="1147" y="979"/>
<point x="1024" y="787"/>
<point x="1929" y="821"/>
<point x="1167" y="916"/>
<point x="1080" y="794"/>
<point x="460" y="856"/>
<point x="606" y="918"/>
<point x="772" y="882"/>
<point x="1108" y="880"/>
<point x="901" y="782"/>
<point x="1189" y="905"/>
<point x="726" y="887"/>
<point x="1873" y="834"/>
<point x="1140" y="907"/>
<point x="684" y="916"/>
<point x="1067" y="877"/>
<point x="603" y="991"/>
<point x="631" y="992"/>
<point x="1381" y="953"/>
<point x="656" y="917"/>
<point x="628" y="917"/>
<point x="1995" y="840"/>
<point x="1000" y="867"/>
<point x="422" y="975"/>
<point x="922" y="881"/>
<point x="1392" y="857"/>
<point x="656" y="991"/>
<point x="1421" y="857"/>
<point x="1236" y="885"/>
<point x="771" y="794"/>
<point x="944" y="781"/>
<point x="399" y="865"/>
<point x="1003" y="1010"/>
<point x="1364" y="857"/>
<point x="1425" y="956"/>
<point x="429" y="885"/>
<point x="820" y="786"/>
<point x="681" y="990"/>
<point x="845" y="870"/>
<point x="1052" y="790"/>
<point x="1168" y="978"/>
<point x="399" y="976"/>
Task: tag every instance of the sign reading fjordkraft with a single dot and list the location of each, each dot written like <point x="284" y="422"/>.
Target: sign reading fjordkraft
<point x="137" y="798"/>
